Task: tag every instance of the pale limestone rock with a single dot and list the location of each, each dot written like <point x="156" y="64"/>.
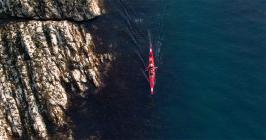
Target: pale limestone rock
<point x="77" y="10"/>
<point x="41" y="64"/>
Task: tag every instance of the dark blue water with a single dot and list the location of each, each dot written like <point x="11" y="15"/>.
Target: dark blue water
<point x="211" y="79"/>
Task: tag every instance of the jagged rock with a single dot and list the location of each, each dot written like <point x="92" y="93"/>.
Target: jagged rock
<point x="78" y="10"/>
<point x="42" y="64"/>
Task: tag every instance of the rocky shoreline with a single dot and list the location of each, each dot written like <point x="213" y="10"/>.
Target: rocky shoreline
<point x="44" y="61"/>
<point x="75" y="10"/>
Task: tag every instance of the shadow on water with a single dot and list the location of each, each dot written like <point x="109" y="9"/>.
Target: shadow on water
<point x="123" y="109"/>
<point x="120" y="111"/>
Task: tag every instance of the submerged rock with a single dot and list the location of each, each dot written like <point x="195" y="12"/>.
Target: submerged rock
<point x="43" y="64"/>
<point x="77" y="10"/>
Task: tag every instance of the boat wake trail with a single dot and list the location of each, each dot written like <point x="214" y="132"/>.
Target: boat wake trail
<point x="140" y="35"/>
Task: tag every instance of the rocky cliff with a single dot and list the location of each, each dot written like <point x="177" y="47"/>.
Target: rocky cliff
<point x="43" y="64"/>
<point x="77" y="10"/>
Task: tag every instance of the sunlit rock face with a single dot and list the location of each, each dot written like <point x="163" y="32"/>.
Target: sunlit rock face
<point x="76" y="10"/>
<point x="46" y="59"/>
<point x="42" y="64"/>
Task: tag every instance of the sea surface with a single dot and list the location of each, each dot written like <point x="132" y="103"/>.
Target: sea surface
<point x="211" y="81"/>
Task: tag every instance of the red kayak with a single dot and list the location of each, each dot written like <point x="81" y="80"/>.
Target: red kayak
<point x="151" y="71"/>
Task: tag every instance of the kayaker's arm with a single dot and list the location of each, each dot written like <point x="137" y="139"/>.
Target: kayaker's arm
<point x="147" y="68"/>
